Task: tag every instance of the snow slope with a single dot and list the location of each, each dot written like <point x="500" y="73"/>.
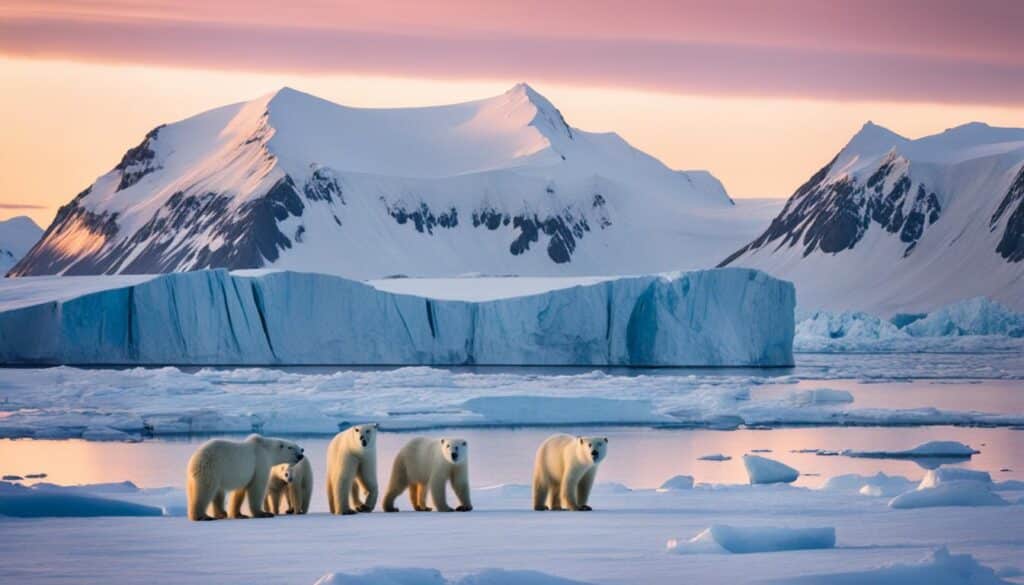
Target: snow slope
<point x="896" y="225"/>
<point x="496" y="186"/>
<point x="708" y="318"/>
<point x="17" y="236"/>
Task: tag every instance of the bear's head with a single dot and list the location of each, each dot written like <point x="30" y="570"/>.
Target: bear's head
<point x="593" y="449"/>
<point x="455" y="451"/>
<point x="364" y="437"/>
<point x="280" y="451"/>
<point x="283" y="472"/>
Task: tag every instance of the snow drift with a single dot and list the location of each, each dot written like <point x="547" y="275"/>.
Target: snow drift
<point x="722" y="317"/>
<point x="939" y="568"/>
<point x="402" y="576"/>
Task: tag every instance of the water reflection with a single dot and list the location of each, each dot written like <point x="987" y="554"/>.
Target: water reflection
<point x="640" y="458"/>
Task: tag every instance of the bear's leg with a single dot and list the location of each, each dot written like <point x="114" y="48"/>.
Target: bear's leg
<point x="293" y="498"/>
<point x="199" y="496"/>
<point x="368" y="481"/>
<point x="460" y="485"/>
<point x="555" y="497"/>
<point x="438" y="493"/>
<point x="418" y="497"/>
<point x="256" y="492"/>
<point x="305" y="495"/>
<point x="569" y="490"/>
<point x="343" y="490"/>
<point x="586" y="483"/>
<point x="330" y="495"/>
<point x="354" y="502"/>
<point x="219" y="511"/>
<point x="540" y="492"/>
<point x="396" y="485"/>
<point x="237" y="497"/>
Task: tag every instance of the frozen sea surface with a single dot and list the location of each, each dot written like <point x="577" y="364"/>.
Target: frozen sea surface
<point x="886" y="389"/>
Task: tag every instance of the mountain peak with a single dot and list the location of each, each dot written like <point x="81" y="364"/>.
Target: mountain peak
<point x="873" y="139"/>
<point x="548" y="117"/>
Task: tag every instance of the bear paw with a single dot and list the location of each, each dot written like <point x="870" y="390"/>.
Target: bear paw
<point x="348" y="512"/>
<point x="391" y="509"/>
<point x="263" y="515"/>
<point x="464" y="509"/>
<point x="541" y="508"/>
<point x="364" y="508"/>
<point x="584" y="508"/>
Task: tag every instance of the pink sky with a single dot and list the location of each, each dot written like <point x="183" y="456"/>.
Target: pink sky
<point x="952" y="61"/>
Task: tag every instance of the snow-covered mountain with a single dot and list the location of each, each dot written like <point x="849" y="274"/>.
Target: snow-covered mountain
<point x="17" y="236"/>
<point x="290" y="181"/>
<point x="898" y="225"/>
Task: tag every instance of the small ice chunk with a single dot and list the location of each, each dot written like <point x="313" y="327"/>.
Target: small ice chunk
<point x="721" y="538"/>
<point x="611" y="487"/>
<point x="954" y="493"/>
<point x="941" y="475"/>
<point x="764" y="470"/>
<point x="677" y="483"/>
<point x="714" y="457"/>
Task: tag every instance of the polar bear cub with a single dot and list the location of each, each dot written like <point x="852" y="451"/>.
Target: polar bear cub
<point x="352" y="470"/>
<point x="426" y="463"/>
<point x="564" y="472"/>
<point x="220" y="466"/>
<point x="294" y="484"/>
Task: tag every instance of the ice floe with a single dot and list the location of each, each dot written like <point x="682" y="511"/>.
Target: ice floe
<point x="720" y="538"/>
<point x="402" y="576"/>
<point x="954" y="493"/>
<point x="677" y="483"/>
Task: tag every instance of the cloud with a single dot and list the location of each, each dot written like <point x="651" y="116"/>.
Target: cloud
<point x="936" y="51"/>
<point x="22" y="206"/>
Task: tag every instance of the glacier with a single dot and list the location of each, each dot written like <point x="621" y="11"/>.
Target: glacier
<point x="720" y="317"/>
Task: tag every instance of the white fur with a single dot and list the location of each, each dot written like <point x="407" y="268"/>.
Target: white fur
<point x="564" y="471"/>
<point x="220" y="466"/>
<point x="352" y="470"/>
<point x="294" y="484"/>
<point x="429" y="464"/>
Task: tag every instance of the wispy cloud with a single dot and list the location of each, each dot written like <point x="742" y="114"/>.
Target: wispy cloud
<point x="913" y="50"/>
<point x="21" y="206"/>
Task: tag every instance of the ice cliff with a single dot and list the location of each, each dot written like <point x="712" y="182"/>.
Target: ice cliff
<point x="723" y="317"/>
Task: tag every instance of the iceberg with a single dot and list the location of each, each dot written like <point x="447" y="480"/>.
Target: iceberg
<point x="953" y="493"/>
<point x="942" y="475"/>
<point x="677" y="483"/>
<point x="764" y="470"/>
<point x="721" y="317"/>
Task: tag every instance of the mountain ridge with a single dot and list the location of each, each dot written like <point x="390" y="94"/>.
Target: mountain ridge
<point x="499" y="185"/>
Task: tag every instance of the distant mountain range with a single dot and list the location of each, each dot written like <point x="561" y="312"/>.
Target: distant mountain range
<point x="17" y="236"/>
<point x="895" y="225"/>
<point x="291" y="181"/>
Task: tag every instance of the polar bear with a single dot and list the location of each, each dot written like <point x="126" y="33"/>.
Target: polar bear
<point x="564" y="472"/>
<point x="352" y="470"/>
<point x="425" y="463"/>
<point x="294" y="483"/>
<point x="220" y="466"/>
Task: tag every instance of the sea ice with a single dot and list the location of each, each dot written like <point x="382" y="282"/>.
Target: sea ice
<point x="876" y="485"/>
<point x="720" y="538"/>
<point x="764" y="470"/>
<point x="945" y="474"/>
<point x="714" y="457"/>
<point x="677" y="483"/>
<point x="929" y="449"/>
<point x="954" y="493"/>
<point x="820" y="397"/>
